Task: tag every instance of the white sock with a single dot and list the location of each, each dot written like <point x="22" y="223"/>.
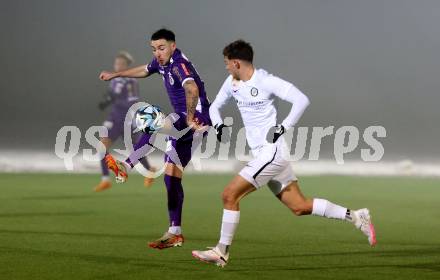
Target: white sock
<point x="324" y="208"/>
<point x="175" y="230"/>
<point x="229" y="225"/>
<point x="105" y="178"/>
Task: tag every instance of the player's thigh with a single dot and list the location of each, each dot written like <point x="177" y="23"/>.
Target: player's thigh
<point x="282" y="179"/>
<point x="265" y="167"/>
<point x="237" y="188"/>
<point x="178" y="152"/>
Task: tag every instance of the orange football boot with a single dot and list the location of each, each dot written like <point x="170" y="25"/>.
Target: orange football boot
<point x="103" y="185"/>
<point x="168" y="240"/>
<point x="117" y="167"/>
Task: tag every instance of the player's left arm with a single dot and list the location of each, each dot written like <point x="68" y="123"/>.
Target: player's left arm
<point x="299" y="103"/>
<point x="288" y="92"/>
<point x="186" y="75"/>
<point x="192" y="99"/>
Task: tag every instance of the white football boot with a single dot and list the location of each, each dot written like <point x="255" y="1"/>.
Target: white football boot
<point x="362" y="221"/>
<point x="213" y="255"/>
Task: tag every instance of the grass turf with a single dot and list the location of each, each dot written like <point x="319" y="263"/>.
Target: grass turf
<point x="55" y="227"/>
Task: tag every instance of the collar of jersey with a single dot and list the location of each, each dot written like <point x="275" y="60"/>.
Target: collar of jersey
<point x="176" y="54"/>
<point x="251" y="81"/>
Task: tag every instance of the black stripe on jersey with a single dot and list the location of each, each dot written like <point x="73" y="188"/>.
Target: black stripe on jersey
<point x="266" y="164"/>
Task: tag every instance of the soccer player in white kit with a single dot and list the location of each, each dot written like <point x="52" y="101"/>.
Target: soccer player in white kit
<point x="254" y="91"/>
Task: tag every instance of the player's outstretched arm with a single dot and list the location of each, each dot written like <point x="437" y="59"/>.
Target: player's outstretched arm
<point x="135" y="72"/>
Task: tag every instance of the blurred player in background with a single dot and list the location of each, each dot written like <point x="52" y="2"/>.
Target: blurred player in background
<point x="254" y="91"/>
<point x="187" y="95"/>
<point x="122" y="93"/>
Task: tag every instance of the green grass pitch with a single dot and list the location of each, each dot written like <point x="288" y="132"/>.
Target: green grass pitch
<point x="56" y="227"/>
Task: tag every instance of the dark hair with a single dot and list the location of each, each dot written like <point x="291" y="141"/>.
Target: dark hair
<point x="239" y="50"/>
<point x="163" y="34"/>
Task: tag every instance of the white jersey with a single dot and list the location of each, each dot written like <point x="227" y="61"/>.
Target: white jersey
<point x="255" y="99"/>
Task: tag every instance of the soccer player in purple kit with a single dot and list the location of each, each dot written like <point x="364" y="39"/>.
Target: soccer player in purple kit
<point x="122" y="93"/>
<point x="188" y="98"/>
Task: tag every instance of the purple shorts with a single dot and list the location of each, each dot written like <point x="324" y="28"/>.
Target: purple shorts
<point x="179" y="151"/>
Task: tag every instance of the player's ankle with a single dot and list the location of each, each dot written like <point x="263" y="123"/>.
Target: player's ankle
<point x="176" y="230"/>
<point x="223" y="248"/>
<point x="350" y="217"/>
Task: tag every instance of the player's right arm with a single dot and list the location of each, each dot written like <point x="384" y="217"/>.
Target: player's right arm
<point x="140" y="71"/>
<point x="221" y="99"/>
<point x="135" y="72"/>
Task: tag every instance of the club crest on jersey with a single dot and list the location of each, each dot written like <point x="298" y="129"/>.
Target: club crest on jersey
<point x="254" y="91"/>
<point x="170" y="78"/>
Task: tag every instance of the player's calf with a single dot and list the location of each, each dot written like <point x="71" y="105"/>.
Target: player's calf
<point x="305" y="208"/>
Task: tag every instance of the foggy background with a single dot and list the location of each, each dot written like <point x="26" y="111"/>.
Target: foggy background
<point x="361" y="63"/>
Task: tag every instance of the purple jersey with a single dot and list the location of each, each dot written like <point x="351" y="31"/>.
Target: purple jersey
<point x="124" y="93"/>
<point x="174" y="75"/>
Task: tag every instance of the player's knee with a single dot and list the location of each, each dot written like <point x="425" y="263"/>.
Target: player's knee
<point x="228" y="198"/>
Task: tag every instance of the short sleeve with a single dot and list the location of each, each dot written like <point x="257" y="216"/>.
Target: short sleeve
<point x="152" y="67"/>
<point x="183" y="71"/>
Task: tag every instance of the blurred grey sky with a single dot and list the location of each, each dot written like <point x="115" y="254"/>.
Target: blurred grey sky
<point x="361" y="63"/>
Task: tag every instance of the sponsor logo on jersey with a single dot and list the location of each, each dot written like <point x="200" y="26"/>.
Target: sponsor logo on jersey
<point x="249" y="104"/>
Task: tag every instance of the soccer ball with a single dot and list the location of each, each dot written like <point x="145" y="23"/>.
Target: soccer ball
<point x="149" y="119"/>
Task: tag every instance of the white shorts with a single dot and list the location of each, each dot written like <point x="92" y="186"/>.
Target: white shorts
<point x="269" y="167"/>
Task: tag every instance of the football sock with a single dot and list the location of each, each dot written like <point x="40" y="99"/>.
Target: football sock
<point x="230" y="222"/>
<point x="349" y="217"/>
<point x="224" y="249"/>
<point x="104" y="168"/>
<point x="141" y="149"/>
<point x="175" y="230"/>
<point x="175" y="199"/>
<point x="325" y="208"/>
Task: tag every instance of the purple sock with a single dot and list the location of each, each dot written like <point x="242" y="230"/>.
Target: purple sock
<point x="141" y="149"/>
<point x="104" y="167"/>
<point x="175" y="199"/>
